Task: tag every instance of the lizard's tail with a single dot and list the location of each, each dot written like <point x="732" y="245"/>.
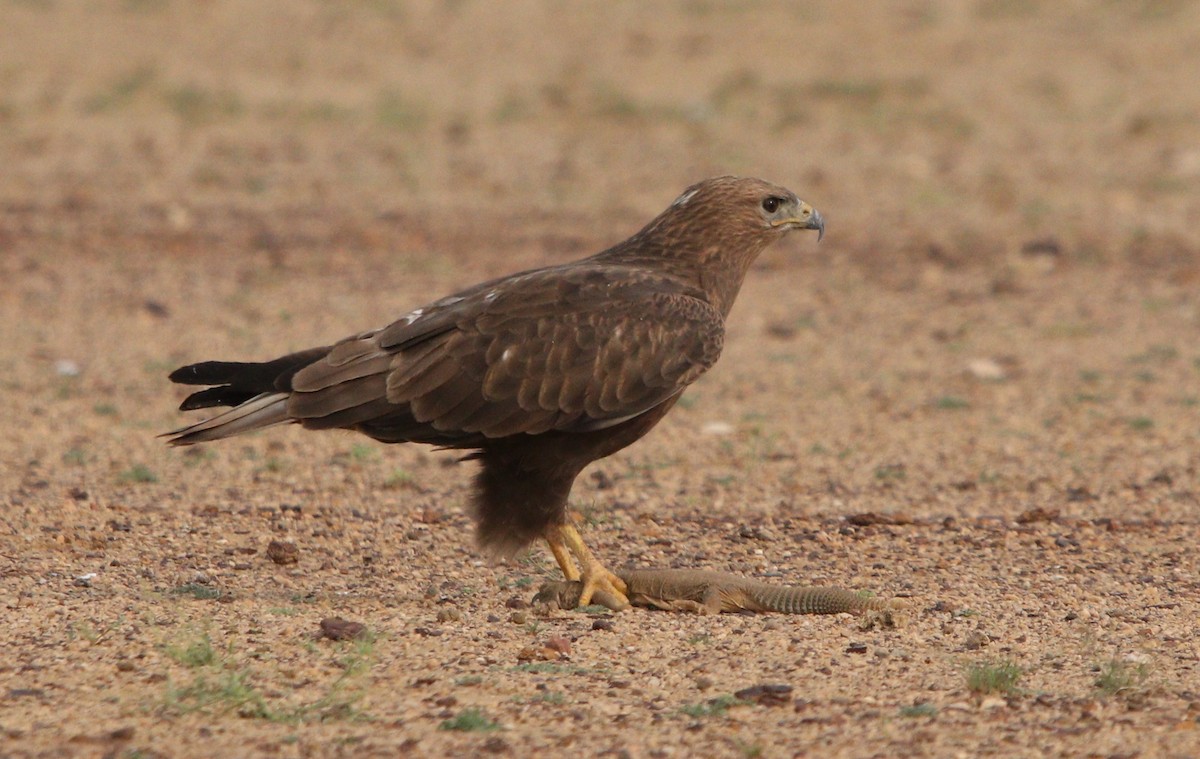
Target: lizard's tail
<point x="822" y="600"/>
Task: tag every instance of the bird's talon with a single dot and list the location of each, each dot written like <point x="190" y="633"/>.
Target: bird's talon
<point x="603" y="586"/>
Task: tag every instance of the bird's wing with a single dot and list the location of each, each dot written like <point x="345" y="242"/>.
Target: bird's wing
<point x="572" y="348"/>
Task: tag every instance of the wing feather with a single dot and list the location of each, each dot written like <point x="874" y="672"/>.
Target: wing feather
<point x="367" y="360"/>
<point x="573" y="348"/>
<point x="336" y="398"/>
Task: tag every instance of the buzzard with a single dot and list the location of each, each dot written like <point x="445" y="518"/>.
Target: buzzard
<point x="537" y="374"/>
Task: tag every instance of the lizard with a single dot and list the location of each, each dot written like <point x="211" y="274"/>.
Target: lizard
<point x="702" y="591"/>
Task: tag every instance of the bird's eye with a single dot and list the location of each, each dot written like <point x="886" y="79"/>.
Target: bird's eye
<point x="771" y="205"/>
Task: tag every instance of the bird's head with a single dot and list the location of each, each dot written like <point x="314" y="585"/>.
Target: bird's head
<point x="741" y="207"/>
<point x="716" y="228"/>
<point x="785" y="212"/>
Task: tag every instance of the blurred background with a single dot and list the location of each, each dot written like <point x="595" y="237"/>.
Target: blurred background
<point x="1006" y="293"/>
<point x="970" y="125"/>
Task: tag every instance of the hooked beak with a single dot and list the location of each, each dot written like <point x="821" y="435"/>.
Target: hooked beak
<point x="816" y="222"/>
<point x="808" y="218"/>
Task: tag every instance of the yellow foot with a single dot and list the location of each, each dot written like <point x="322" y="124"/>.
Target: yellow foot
<point x="603" y="587"/>
<point x="562" y="554"/>
<point x="595" y="579"/>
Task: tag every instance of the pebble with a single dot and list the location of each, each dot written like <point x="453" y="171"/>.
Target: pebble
<point x="336" y="628"/>
<point x="986" y="369"/>
<point x="976" y="640"/>
<point x="283" y="552"/>
<point x="766" y="694"/>
<point x="65" y="367"/>
<point x="717" y="428"/>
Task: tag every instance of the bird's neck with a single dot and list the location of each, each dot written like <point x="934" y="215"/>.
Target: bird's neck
<point x="711" y="264"/>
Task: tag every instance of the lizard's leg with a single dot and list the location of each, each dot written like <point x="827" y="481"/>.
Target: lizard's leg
<point x="669" y="604"/>
<point x="594" y="575"/>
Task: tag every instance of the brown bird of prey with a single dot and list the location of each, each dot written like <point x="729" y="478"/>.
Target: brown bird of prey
<point x="537" y="374"/>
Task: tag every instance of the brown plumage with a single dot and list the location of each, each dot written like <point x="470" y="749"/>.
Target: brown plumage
<point x="539" y="373"/>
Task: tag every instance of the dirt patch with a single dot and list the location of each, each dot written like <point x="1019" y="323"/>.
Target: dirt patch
<point x="980" y="392"/>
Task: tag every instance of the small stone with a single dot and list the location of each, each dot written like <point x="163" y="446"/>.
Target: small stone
<point x="1044" y="246"/>
<point x="65" y="367"/>
<point x="495" y="745"/>
<point x="126" y="666"/>
<point x="534" y="653"/>
<point x="518" y="617"/>
<point x="283" y="552"/>
<point x="156" y="309"/>
<point x="781" y="329"/>
<point x="717" y="428"/>
<point x="602" y="624"/>
<point x="703" y="682"/>
<point x="766" y="694"/>
<point x="856" y="648"/>
<point x="976" y="640"/>
<point x="14" y="693"/>
<point x="449" y="614"/>
<point x="1037" y="514"/>
<point x="868" y="518"/>
<point x="336" y="628"/>
<point x="986" y="369"/>
<point x="559" y="644"/>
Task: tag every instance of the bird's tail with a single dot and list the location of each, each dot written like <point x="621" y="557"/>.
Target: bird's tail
<point x="262" y="410"/>
<point x="258" y="393"/>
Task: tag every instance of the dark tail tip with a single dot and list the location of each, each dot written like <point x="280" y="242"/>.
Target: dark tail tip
<point x="215" y="396"/>
<point x="208" y="373"/>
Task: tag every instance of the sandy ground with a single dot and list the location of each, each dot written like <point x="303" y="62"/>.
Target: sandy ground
<point x="981" y="391"/>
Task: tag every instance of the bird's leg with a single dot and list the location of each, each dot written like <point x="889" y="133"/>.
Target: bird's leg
<point x="562" y="554"/>
<point x="595" y="576"/>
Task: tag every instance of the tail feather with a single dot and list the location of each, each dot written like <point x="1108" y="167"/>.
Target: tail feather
<point x="263" y="410"/>
<point x="259" y="376"/>
<point x="237" y="382"/>
<point x="224" y="395"/>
